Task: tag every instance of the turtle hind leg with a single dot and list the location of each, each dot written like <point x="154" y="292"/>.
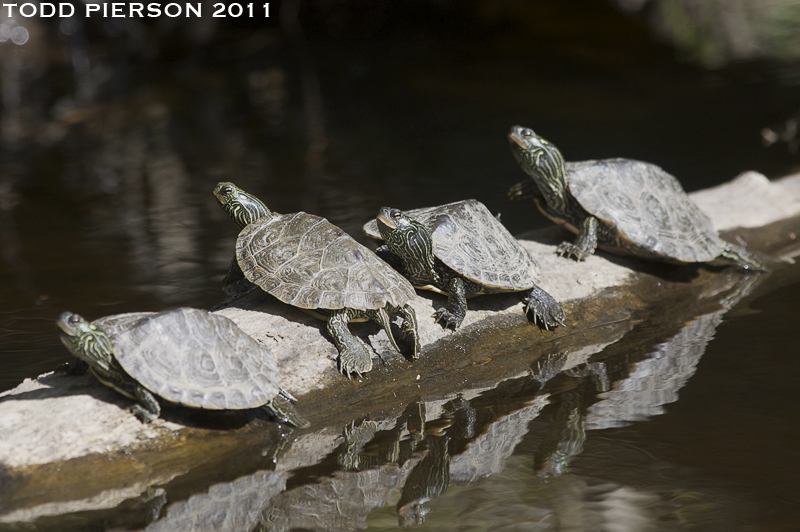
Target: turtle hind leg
<point x="453" y="314"/>
<point x="147" y="409"/>
<point x="353" y="355"/>
<point x="381" y="317"/>
<point x="585" y="243"/>
<point x="746" y="259"/>
<point x="282" y="409"/>
<point x="408" y="329"/>
<point x="542" y="308"/>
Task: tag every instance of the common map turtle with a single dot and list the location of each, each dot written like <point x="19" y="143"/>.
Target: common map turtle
<point x="621" y="205"/>
<point x="308" y="262"/>
<point x="186" y="356"/>
<point x="461" y="250"/>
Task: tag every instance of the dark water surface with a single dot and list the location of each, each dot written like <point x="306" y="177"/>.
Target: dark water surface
<point x="106" y="207"/>
<point x="720" y="458"/>
<point x="684" y="421"/>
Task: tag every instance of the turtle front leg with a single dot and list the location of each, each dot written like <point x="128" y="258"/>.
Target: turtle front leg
<point x="452" y="315"/>
<point x="235" y="283"/>
<point x="73" y="367"/>
<point x="353" y="355"/>
<point x="586" y="242"/>
<point x="525" y="190"/>
<point x="390" y="258"/>
<point x="147" y="409"/>
<point x="541" y="307"/>
<point x="381" y="317"/>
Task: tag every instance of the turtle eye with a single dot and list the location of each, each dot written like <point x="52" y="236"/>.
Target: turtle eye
<point x="73" y="319"/>
<point x="396" y="215"/>
<point x="227" y="190"/>
<point x="527" y="132"/>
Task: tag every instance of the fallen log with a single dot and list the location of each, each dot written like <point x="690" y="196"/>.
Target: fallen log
<point x="57" y="431"/>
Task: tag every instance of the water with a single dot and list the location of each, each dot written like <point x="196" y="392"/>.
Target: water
<point x="679" y="422"/>
<point x="109" y="159"/>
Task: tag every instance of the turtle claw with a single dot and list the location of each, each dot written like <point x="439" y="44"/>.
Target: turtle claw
<point x="569" y="250"/>
<point x="281" y="408"/>
<point x="448" y="319"/>
<point x="542" y="308"/>
<point x="142" y="414"/>
<point x="356" y="361"/>
<point x="547" y="317"/>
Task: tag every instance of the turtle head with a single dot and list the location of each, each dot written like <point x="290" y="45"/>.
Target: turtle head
<point x="242" y="207"/>
<point x="85" y="340"/>
<point x="412" y="514"/>
<point x="540" y="159"/>
<point x="551" y="466"/>
<point x="406" y="238"/>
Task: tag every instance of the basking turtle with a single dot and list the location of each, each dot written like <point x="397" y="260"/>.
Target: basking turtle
<point x="622" y="205"/>
<point x="186" y="356"/>
<point x="308" y="262"/>
<point x="460" y="249"/>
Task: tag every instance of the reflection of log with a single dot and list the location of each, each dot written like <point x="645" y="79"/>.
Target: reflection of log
<point x="657" y="379"/>
<point x="340" y="502"/>
<point x="487" y="454"/>
<point x="429" y="479"/>
<point x="432" y="446"/>
<point x="56" y="432"/>
<point x="474" y="445"/>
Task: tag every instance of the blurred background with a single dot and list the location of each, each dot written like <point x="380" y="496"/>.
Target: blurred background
<point x="113" y="131"/>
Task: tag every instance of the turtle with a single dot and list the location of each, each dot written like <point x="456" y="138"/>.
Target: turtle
<point x="306" y="261"/>
<point x="186" y="356"/>
<point x="461" y="250"/>
<point x="623" y="206"/>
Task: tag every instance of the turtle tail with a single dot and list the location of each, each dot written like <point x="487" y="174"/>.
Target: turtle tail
<point x="747" y="259"/>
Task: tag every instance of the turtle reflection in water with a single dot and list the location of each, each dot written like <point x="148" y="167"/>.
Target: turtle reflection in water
<point x="308" y="262"/>
<point x="461" y="250"/>
<point x="185" y="356"/>
<point x="390" y="449"/>
<point x="430" y="478"/>
<point x="566" y="435"/>
<point x="621" y="205"/>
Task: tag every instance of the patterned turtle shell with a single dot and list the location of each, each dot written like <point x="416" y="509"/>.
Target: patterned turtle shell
<point x="193" y="358"/>
<point x="474" y="244"/>
<point x="306" y="261"/>
<point x="646" y="205"/>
